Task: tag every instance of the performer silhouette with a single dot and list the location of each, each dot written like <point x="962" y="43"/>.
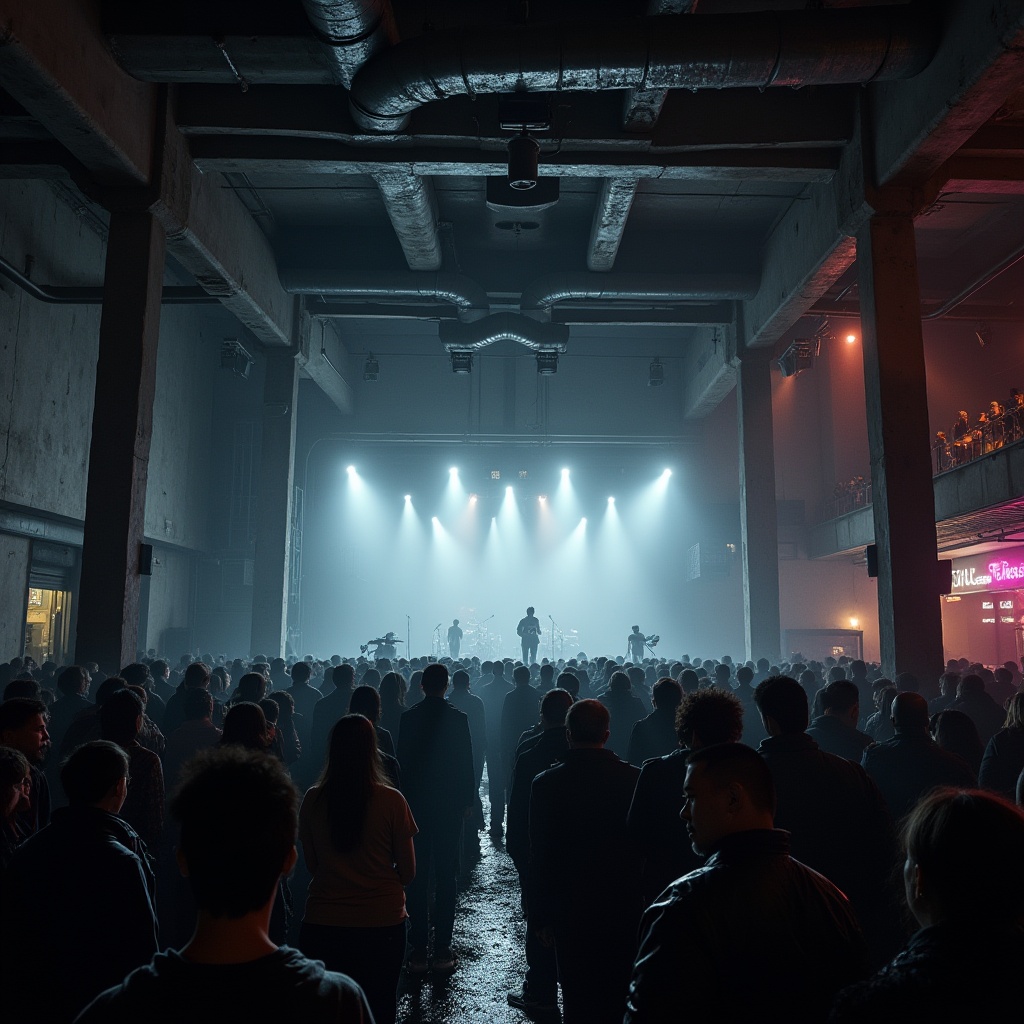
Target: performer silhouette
<point x="636" y="644"/>
<point x="454" y="638"/>
<point x="529" y="632"/>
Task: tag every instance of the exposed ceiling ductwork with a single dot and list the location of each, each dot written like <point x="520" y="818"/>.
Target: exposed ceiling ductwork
<point x="535" y="336"/>
<point x="540" y="295"/>
<point x="352" y="31"/>
<point x="753" y="50"/>
<point x="460" y="291"/>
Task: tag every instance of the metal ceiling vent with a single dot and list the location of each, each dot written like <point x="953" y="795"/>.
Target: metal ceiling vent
<point x="352" y="31"/>
<point x="548" y="341"/>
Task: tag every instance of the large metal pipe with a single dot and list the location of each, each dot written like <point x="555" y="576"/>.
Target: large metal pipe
<point x="412" y="207"/>
<point x="540" y="295"/>
<point x="712" y="51"/>
<point x="352" y="32"/>
<point x="503" y="327"/>
<point x="454" y="288"/>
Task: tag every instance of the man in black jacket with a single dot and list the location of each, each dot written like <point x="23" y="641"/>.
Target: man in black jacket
<point x="584" y="872"/>
<point x="519" y="710"/>
<point x="540" y="988"/>
<point x="436" y="755"/>
<point x="751" y="931"/>
<point x="655" y="735"/>
<point x="835" y="730"/>
<point x="492" y="693"/>
<point x="80" y="905"/>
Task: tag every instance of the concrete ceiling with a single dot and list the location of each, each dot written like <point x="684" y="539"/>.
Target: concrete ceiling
<point x="767" y="182"/>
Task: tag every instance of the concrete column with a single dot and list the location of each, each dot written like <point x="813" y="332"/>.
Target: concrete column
<point x="273" y="536"/>
<point x="108" y="612"/>
<point x="759" y="530"/>
<point x="909" y="616"/>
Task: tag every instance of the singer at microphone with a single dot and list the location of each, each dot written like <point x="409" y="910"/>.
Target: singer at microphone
<point x="454" y="638"/>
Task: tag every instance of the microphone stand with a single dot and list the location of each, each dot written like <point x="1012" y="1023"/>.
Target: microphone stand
<point x="408" y="636"/>
<point x="435" y="643"/>
<point x="554" y="627"/>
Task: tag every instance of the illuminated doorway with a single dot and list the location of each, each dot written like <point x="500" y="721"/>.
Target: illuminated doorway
<point x="47" y="624"/>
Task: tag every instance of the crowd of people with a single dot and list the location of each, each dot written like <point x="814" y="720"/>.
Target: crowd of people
<point x="259" y="840"/>
<point x="1002" y="423"/>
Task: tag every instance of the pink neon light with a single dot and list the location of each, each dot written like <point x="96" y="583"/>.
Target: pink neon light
<point x="1005" y="572"/>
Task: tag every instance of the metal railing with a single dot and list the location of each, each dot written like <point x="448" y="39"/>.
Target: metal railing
<point x="848" y="498"/>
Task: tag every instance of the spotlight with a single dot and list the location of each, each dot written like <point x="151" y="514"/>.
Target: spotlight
<point x="542" y="498"/>
<point x="583" y="521"/>
<point x="666" y="474"/>
<point x="565" y="474"/>
<point x="508" y="491"/>
<point x="453" y="471"/>
<point x="547" y="363"/>
<point x="371" y="368"/>
<point x="350" y="470"/>
<point x="611" y="500"/>
<point x="462" y="362"/>
<point x="408" y="497"/>
<point x="854" y="623"/>
<point x="435" y="520"/>
<point x="656" y="374"/>
<point x="523" y="162"/>
<point x="472" y="499"/>
<point x="799" y="356"/>
<point x="851" y="338"/>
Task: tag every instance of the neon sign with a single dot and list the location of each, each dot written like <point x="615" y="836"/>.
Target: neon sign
<point x="1006" y="572"/>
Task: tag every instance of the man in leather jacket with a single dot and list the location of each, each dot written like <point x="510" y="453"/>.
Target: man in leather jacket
<point x="752" y="935"/>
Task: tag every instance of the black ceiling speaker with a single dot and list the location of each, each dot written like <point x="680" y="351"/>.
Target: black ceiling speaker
<point x="523" y="162"/>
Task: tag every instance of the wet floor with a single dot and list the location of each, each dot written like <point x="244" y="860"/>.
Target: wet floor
<point x="488" y="944"/>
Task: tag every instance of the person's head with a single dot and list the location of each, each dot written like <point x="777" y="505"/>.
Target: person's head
<point x="782" y="702"/>
<point x="909" y="713"/>
<point x="569" y="682"/>
<point x="723" y="673"/>
<point x="948" y="682"/>
<point x="365" y="701"/>
<point x="15" y="782"/>
<point x="392" y="689"/>
<point x="23" y="727"/>
<point x="970" y="686"/>
<point x="956" y="732"/>
<point x="689" y="680"/>
<point x="96" y="774"/>
<point x="455" y="622"/>
<point x="906" y="682"/>
<point x="943" y="877"/>
<point x="73" y="681"/>
<point x="197" y="705"/>
<point x="343" y="677"/>
<point x="744" y="675"/>
<point x="435" y="680"/>
<point x="23" y="686"/>
<point x="498" y="669"/>
<point x="841" y="699"/>
<point x="460" y="679"/>
<point x="121" y="717"/>
<point x="666" y="695"/>
<point x="239" y="814"/>
<point x="554" y="706"/>
<point x="136" y="674"/>
<point x="245" y="725"/>
<point x="1015" y="711"/>
<point x="547" y="673"/>
<point x="728" y="789"/>
<point x="521" y="675"/>
<point x="159" y="669"/>
<point x="619" y="683"/>
<point x="301" y="671"/>
<point x="709" y="717"/>
<point x="252" y="688"/>
<point x="529" y="611"/>
<point x="285" y="704"/>
<point x="587" y="724"/>
<point x="372" y="677"/>
<point x="197" y="674"/>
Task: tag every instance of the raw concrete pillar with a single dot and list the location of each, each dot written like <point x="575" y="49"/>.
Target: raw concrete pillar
<point x="759" y="530"/>
<point x="273" y="535"/>
<point x="122" y="421"/>
<point x="909" y="616"/>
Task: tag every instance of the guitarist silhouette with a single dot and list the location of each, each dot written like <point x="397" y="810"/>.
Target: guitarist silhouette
<point x="529" y="632"/>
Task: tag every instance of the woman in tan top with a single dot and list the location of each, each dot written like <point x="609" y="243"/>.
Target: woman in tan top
<point x="356" y="834"/>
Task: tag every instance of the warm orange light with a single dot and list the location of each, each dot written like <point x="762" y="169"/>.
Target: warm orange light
<point x="854" y="623"/>
<point x="851" y="338"/>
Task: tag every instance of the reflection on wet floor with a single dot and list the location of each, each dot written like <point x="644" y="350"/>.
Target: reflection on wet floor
<point x="488" y="943"/>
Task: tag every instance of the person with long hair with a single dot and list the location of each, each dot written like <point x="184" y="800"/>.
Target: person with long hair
<point x="245" y="724"/>
<point x="1004" y="756"/>
<point x="392" y="702"/>
<point x="965" y="888"/>
<point x="356" y="833"/>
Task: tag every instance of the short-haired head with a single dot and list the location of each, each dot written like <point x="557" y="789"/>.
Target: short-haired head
<point x="197" y="674"/>
<point x="840" y="697"/>
<point x="91" y="771"/>
<point x="301" y="671"/>
<point x="708" y="718"/>
<point x="909" y="712"/>
<point x="343" y="676"/>
<point x="197" y="704"/>
<point x="136" y="674"/>
<point x="970" y="685"/>
<point x="587" y="723"/>
<point x="744" y="675"/>
<point x="568" y="681"/>
<point x="72" y="680"/>
<point x="435" y="679"/>
<point x="782" y="700"/>
<point x="365" y="701"/>
<point x="521" y="675"/>
<point x="619" y="683"/>
<point x="554" y="706"/>
<point x="530" y="610"/>
<point x="666" y="694"/>
<point x="735" y="763"/>
<point x="460" y="679"/>
<point x="238" y="811"/>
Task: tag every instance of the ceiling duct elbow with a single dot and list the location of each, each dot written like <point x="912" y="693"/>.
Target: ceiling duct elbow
<point x="473" y="337"/>
<point x="456" y="289"/>
<point x="847" y="46"/>
<point x="352" y="31"/>
<point x="540" y="295"/>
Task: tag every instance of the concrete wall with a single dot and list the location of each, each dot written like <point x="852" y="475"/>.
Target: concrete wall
<point x="14" y="562"/>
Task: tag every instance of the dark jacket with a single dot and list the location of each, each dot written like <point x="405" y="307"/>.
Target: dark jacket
<point x="79" y="914"/>
<point x="1003" y="762"/>
<point x="653" y="736"/>
<point x="473" y="708"/>
<point x="839" y="825"/>
<point x="984" y="712"/>
<point x="756" y="935"/>
<point x="834" y="736"/>
<point x="436" y="755"/>
<point x="492" y="694"/>
<point x="947" y="974"/>
<point x="654" y="824"/>
<point x="324" y="716"/>
<point x="625" y="709"/>
<point x="549" y="748"/>
<point x="519" y="710"/>
<point x="909" y="765"/>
